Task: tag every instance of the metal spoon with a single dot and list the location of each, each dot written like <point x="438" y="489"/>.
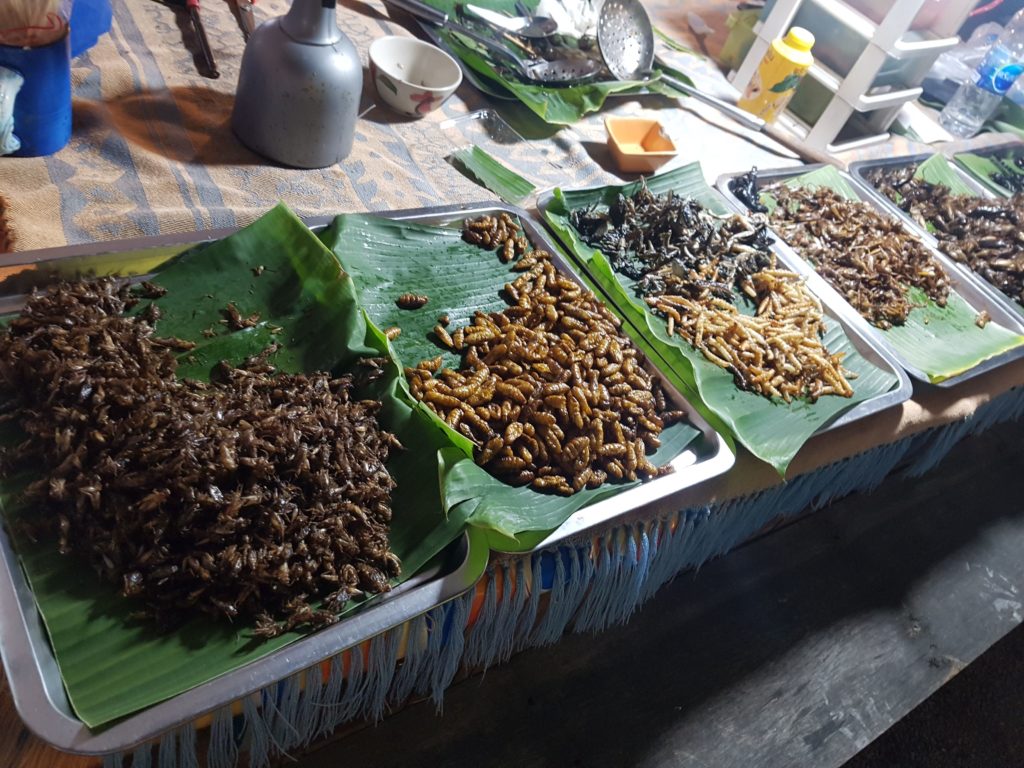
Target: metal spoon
<point x="542" y="72"/>
<point x="536" y="27"/>
<point x="625" y="39"/>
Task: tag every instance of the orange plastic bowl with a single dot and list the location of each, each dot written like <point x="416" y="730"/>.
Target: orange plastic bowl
<point x="638" y="144"/>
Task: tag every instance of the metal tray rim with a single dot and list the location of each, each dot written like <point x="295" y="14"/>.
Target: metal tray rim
<point x="860" y="168"/>
<point x="983" y="151"/>
<point x="31" y="695"/>
<point x="898" y="394"/>
<point x="959" y="277"/>
<point x="28" y="658"/>
<point x="24" y="646"/>
<point x="690" y="468"/>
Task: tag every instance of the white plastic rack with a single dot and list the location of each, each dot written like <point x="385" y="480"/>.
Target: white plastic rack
<point x="884" y="52"/>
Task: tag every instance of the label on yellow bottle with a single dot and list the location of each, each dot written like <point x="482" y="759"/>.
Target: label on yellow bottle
<point x="777" y="77"/>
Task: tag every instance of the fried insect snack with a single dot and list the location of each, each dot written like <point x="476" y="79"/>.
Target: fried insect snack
<point x="689" y="263"/>
<point x="983" y="233"/>
<point x="249" y="497"/>
<point x="867" y="256"/>
<point x="412" y="301"/>
<point x="549" y="391"/>
<point x="777" y="352"/>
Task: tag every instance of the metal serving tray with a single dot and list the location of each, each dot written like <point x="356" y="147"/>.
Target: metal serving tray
<point x="34" y="678"/>
<point x="975" y="291"/>
<point x="865" y="344"/>
<point x="995" y="149"/>
<point x="706" y="457"/>
<point x="859" y="171"/>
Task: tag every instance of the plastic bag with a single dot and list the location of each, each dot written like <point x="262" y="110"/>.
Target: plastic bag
<point x="10" y="84"/>
<point x="574" y="17"/>
<point x="958" y="64"/>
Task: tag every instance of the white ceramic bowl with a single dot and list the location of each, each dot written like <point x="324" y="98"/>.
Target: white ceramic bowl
<point x="411" y="76"/>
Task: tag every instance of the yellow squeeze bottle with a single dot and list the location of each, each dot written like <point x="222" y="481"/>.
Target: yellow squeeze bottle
<point x="778" y="74"/>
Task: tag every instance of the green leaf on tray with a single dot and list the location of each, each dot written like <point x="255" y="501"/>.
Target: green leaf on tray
<point x="772" y="430"/>
<point x="673" y="44"/>
<point x="554" y="104"/>
<point x="1008" y="119"/>
<point x="983" y="167"/>
<point x="387" y="258"/>
<point x="492" y="174"/>
<point x="826" y="176"/>
<point x="938" y="170"/>
<point x="941" y="342"/>
<point x="112" y="666"/>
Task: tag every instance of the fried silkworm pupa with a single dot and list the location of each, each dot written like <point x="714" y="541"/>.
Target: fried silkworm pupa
<point x="443" y="335"/>
<point x="393" y="332"/>
<point x="412" y="301"/>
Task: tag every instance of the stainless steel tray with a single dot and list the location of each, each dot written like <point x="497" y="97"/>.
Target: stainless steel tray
<point x="859" y="171"/>
<point x="38" y="691"/>
<point x="972" y="288"/>
<point x="706" y="457"/>
<point x="34" y="678"/>
<point x="865" y="344"/>
<point x="995" y="149"/>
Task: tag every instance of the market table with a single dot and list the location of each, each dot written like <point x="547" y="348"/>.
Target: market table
<point x="152" y="153"/>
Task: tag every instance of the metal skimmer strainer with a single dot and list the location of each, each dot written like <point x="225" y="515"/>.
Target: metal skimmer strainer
<point x="626" y="41"/>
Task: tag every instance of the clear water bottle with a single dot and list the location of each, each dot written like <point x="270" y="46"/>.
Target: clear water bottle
<point x="976" y="100"/>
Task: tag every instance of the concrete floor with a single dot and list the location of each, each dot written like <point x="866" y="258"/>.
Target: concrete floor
<point x="974" y="721"/>
<point x="797" y="651"/>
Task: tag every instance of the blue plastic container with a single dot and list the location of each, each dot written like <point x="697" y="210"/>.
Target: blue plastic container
<point x="42" y="109"/>
<point x="89" y="20"/>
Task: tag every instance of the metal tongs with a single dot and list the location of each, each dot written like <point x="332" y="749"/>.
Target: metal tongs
<point x="205" y="53"/>
<point x="531" y="27"/>
<point x="204" y="44"/>
<point x="540" y="71"/>
<point x="246" y="17"/>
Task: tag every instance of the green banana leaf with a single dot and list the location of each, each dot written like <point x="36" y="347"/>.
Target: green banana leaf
<point x="938" y="170"/>
<point x="492" y="174"/>
<point x="771" y="430"/>
<point x="387" y="258"/>
<point x="1008" y="119"/>
<point x="113" y="666"/>
<point x="935" y="170"/>
<point x="941" y="342"/>
<point x="983" y="167"/>
<point x="553" y="104"/>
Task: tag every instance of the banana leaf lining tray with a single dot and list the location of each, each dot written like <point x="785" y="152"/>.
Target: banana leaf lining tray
<point x="874" y="353"/>
<point x="964" y="183"/>
<point x="29" y="661"/>
<point x="978" y="164"/>
<point x="978" y="295"/>
<point x="706" y="456"/>
<point x="31" y="667"/>
<point x="860" y="169"/>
